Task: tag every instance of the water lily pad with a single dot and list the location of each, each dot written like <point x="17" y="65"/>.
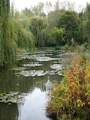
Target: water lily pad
<point x="43" y="59"/>
<point x="11" y="97"/>
<point x="32" y="65"/>
<point x="51" y="72"/>
<point x="33" y="73"/>
<point x="60" y="73"/>
<point x="57" y="66"/>
<point x="18" y="68"/>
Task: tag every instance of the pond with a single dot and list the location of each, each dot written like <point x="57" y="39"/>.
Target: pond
<point x="22" y="88"/>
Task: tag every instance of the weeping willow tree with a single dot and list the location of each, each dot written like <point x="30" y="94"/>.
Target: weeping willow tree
<point x="25" y="38"/>
<point x="7" y="44"/>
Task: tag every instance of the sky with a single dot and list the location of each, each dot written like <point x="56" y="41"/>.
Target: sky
<point x="21" y="4"/>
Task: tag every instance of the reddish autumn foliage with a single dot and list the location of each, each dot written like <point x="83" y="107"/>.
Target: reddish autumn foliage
<point x="72" y="96"/>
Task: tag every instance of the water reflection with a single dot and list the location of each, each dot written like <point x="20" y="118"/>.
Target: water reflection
<point x="34" y="106"/>
<point x="8" y="111"/>
<point x="30" y="74"/>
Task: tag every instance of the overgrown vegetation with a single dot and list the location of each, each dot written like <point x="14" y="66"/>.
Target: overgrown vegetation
<point x="71" y="99"/>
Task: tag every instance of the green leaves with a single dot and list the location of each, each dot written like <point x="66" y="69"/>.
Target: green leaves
<point x="37" y="27"/>
<point x="72" y="95"/>
<point x="14" y="34"/>
<point x="7" y="44"/>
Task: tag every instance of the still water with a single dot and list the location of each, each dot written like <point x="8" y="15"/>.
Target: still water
<point x="25" y="84"/>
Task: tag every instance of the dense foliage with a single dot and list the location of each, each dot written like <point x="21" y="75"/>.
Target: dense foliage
<point x="71" y="99"/>
<point x="14" y="34"/>
<point x="7" y="46"/>
<point x="58" y="27"/>
<point x="33" y="27"/>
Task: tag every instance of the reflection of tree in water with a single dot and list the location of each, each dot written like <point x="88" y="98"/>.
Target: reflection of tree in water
<point x="8" y="112"/>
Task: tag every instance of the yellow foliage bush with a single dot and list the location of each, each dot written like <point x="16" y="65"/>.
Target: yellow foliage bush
<point x="73" y="94"/>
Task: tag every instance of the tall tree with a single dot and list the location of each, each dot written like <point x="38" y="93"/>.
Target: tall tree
<point x="36" y="27"/>
<point x="7" y="45"/>
<point x="70" y="21"/>
<point x="4" y="8"/>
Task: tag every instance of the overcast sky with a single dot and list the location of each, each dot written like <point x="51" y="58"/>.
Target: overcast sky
<point x="21" y="4"/>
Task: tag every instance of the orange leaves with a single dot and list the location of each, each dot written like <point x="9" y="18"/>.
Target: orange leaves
<point x="76" y="78"/>
<point x="74" y="90"/>
<point x="87" y="72"/>
<point x="70" y="76"/>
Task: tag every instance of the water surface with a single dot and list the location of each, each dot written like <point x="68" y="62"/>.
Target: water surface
<point x="25" y="84"/>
